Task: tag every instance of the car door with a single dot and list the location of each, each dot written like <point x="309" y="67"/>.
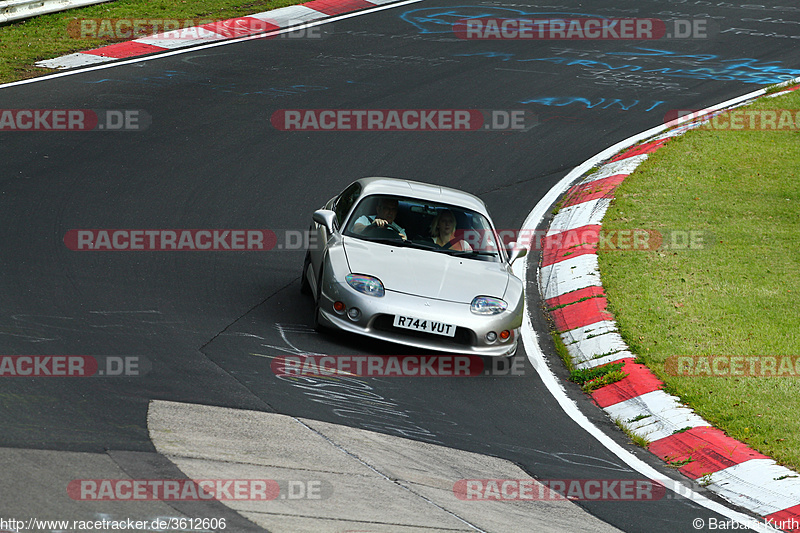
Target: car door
<point x="320" y="239"/>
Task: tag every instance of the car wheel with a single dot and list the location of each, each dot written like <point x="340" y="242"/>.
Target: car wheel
<point x="305" y="286"/>
<point x="318" y="327"/>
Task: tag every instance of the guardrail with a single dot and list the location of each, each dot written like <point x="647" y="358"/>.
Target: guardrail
<point x="21" y="9"/>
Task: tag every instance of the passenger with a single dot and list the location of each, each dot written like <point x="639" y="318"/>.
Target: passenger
<point x="443" y="229"/>
<point x="384" y="218"/>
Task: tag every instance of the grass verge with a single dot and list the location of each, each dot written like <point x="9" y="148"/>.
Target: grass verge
<point x="737" y="296"/>
<point x="22" y="43"/>
<point x="591" y="379"/>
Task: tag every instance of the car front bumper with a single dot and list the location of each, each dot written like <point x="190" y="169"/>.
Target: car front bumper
<point x="376" y="317"/>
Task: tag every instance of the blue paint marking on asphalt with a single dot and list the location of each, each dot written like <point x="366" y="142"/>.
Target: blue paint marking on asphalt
<point x="602" y="103"/>
<point x="706" y="66"/>
<point x="442" y="19"/>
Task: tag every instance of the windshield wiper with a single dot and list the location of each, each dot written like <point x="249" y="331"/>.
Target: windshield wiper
<point x="468" y="253"/>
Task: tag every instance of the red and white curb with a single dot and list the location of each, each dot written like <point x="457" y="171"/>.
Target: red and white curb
<point x="238" y="27"/>
<point x="570" y="283"/>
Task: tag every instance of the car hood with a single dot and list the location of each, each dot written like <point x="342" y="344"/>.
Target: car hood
<point x="426" y="273"/>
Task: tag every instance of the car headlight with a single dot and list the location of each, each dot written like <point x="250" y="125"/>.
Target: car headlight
<point x="486" y="305"/>
<point x="368" y="285"/>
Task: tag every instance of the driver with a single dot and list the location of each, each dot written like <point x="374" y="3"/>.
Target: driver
<point x="384" y="218"/>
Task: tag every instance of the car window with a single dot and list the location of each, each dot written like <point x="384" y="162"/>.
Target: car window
<point x="345" y="201"/>
<point x="412" y="226"/>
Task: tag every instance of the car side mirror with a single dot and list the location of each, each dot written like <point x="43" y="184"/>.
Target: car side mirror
<point x="515" y="252"/>
<point x="326" y="217"/>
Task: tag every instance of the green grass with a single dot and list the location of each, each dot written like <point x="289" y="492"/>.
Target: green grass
<point x="591" y="379"/>
<point x="736" y="296"/>
<point x="24" y="42"/>
<point x="562" y="352"/>
<point x="638" y="440"/>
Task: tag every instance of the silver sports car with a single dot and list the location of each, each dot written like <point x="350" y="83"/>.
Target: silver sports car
<point x="416" y="264"/>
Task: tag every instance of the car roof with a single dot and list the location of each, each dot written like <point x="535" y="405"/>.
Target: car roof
<point x="422" y="191"/>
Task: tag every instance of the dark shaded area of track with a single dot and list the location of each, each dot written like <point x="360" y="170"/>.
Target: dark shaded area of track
<point x="211" y="322"/>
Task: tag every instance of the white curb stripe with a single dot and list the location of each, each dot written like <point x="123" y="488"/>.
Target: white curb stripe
<point x="671" y="133"/>
<point x="665" y="415"/>
<point x="284" y="16"/>
<point x="162" y="41"/>
<point x="624" y="166"/>
<point x="570" y="275"/>
<point x="600" y="361"/>
<point x="589" y="349"/>
<point x="579" y="215"/>
<point x="73" y="60"/>
<point x="759" y="485"/>
<point x="586" y="332"/>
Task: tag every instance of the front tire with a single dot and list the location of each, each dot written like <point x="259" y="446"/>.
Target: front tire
<point x="305" y="286"/>
<point x="318" y="327"/>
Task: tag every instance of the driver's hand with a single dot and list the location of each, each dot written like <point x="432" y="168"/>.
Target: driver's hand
<point x="379" y="222"/>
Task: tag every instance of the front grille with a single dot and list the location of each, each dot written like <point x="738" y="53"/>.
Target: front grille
<point x="463" y="336"/>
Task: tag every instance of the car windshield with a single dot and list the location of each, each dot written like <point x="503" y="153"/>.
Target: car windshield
<point x="410" y="222"/>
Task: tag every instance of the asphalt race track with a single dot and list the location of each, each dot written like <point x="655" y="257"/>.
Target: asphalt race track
<point x="208" y="323"/>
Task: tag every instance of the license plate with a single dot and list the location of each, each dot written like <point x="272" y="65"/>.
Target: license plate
<point x="428" y="326"/>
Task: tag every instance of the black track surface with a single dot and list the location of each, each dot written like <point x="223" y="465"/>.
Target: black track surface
<point x="209" y="322"/>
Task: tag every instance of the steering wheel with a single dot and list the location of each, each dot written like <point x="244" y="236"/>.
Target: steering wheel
<point x="386" y="232"/>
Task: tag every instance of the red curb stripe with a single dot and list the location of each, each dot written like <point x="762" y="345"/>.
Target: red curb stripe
<point x="569" y="244"/>
<point x="581" y="314"/>
<point x="240" y="27"/>
<point x="645" y="148"/>
<point x="710" y="449"/>
<point x="594" y="190"/>
<point x="640" y="380"/>
<point x="786" y="517"/>
<point x="574" y="296"/>
<point x="337" y="7"/>
<point x="126" y="49"/>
